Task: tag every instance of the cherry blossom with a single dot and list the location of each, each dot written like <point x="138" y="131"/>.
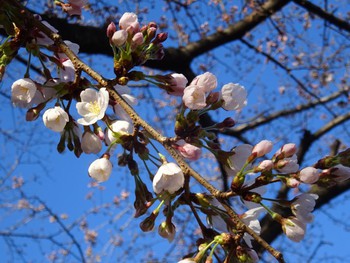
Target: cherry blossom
<point x="93" y="105"/>
<point x="42" y="39"/>
<point x="167" y="231"/>
<point x="119" y="38"/>
<point x="100" y="169"/>
<point x="262" y="148"/>
<point x="309" y="175"/>
<point x="118" y="127"/>
<point x="187" y="260"/>
<point x="55" y="119"/>
<point x="265" y="165"/>
<point x="75" y="7"/>
<point x="303" y="205"/>
<point x="250" y="218"/>
<point x="91" y="143"/>
<point x="194" y="97"/>
<point x="341" y="172"/>
<point x="74" y="47"/>
<point x="129" y="22"/>
<point x="234" y="96"/>
<point x="177" y="84"/>
<point x="293" y="228"/>
<point x="206" y="82"/>
<point x="169" y="177"/>
<point x="288" y="165"/>
<point x="125" y="92"/>
<point x="188" y="151"/>
<point x="23" y="92"/>
<point x="67" y="73"/>
<point x="287" y="150"/>
<point x="237" y="161"/>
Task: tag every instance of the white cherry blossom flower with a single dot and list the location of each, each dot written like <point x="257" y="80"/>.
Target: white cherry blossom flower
<point x="169" y="177"/>
<point x="129" y="22"/>
<point x="187" y="260"/>
<point x="67" y="73"/>
<point x="303" y="205"/>
<point x="22" y="92"/>
<point x="93" y="105"/>
<point x="237" y="161"/>
<point x="206" y="82"/>
<point x="120" y="127"/>
<point x="125" y="92"/>
<point x="91" y="143"/>
<point x="234" y="96"/>
<point x="42" y="38"/>
<point x="194" y="97"/>
<point x="100" y="169"/>
<point x="293" y="228"/>
<point x="250" y="218"/>
<point x="288" y="165"/>
<point x="55" y="119"/>
<point x="74" y="47"/>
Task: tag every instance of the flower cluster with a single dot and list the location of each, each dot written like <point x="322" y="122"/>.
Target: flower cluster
<point x="103" y="120"/>
<point x="132" y="44"/>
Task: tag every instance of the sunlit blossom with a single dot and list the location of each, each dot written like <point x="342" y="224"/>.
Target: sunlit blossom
<point x="194" y="97"/>
<point x="91" y="143"/>
<point x="169" y="177"/>
<point x="93" y="105"/>
<point x="22" y="92"/>
<point x="100" y="169"/>
<point x="55" y="119"/>
<point x="234" y="96"/>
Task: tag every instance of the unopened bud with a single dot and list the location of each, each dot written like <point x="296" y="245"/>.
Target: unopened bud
<point x="148" y="223"/>
<point x="110" y="30"/>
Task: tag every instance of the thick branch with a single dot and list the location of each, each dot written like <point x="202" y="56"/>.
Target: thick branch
<point x="342" y="24"/>
<point x="176" y="59"/>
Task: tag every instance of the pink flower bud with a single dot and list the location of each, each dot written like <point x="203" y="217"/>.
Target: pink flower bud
<point x="292" y="182"/>
<point x="341" y="172"/>
<point x="119" y="38"/>
<point x="151" y="32"/>
<point x="262" y="148"/>
<point x="137" y="39"/>
<point x="287" y="150"/>
<point x="111" y="29"/>
<point x="178" y="83"/>
<point x="167" y="231"/>
<point x="161" y="37"/>
<point x="189" y="151"/>
<point x="288" y="165"/>
<point x="309" y="175"/>
<point x="264" y="166"/>
<point x="129" y="22"/>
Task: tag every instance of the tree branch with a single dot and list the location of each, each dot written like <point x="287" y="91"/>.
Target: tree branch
<point x="341" y="24"/>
